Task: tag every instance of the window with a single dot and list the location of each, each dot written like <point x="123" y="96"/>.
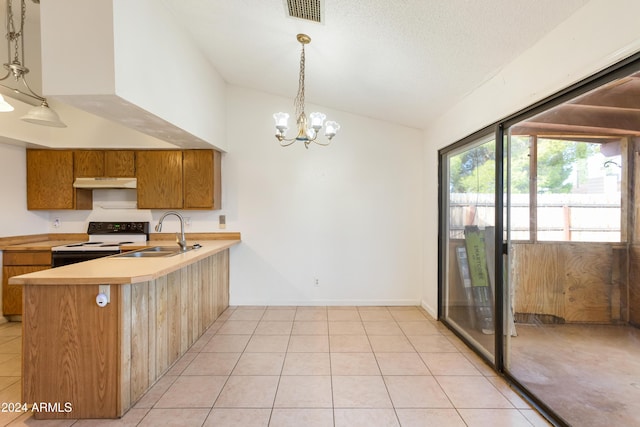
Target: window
<point x="578" y="192"/>
<point x="472" y="187"/>
<point x="470" y="204"/>
<point x="565" y="190"/>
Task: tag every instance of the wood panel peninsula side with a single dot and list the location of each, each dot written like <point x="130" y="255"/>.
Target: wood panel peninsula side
<point x="81" y="360"/>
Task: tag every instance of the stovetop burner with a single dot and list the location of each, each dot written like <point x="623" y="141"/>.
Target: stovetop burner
<point x="85" y="244"/>
<point x="105" y="239"/>
<point x="97" y="244"/>
<point x="108" y="236"/>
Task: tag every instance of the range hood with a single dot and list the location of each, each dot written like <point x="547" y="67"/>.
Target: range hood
<point x="105" y="183"/>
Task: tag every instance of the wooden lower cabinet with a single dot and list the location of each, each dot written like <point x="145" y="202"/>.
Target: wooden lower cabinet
<point x="15" y="263"/>
<point x="98" y="362"/>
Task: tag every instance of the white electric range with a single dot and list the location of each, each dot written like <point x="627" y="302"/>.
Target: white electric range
<point x="105" y="238"/>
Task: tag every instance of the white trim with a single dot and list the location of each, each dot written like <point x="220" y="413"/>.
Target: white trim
<point x="337" y="303"/>
<point x="433" y="313"/>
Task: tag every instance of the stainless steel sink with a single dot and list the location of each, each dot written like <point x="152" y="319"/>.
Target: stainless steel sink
<point x="155" y="252"/>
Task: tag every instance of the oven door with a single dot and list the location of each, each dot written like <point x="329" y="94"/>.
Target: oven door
<point x="60" y="258"/>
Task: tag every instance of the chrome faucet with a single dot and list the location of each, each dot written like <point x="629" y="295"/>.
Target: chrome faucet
<point x="181" y="240"/>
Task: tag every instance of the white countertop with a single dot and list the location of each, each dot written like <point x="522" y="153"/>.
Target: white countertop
<point x="121" y="270"/>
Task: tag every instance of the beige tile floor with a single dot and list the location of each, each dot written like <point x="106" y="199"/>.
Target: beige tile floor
<point x="311" y="366"/>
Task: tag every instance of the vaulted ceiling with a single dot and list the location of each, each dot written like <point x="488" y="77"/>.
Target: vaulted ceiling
<point x="405" y="61"/>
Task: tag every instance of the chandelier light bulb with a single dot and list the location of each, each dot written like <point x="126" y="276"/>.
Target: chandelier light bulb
<point x="331" y="128"/>
<point x="282" y="121"/>
<point x="317" y="120"/>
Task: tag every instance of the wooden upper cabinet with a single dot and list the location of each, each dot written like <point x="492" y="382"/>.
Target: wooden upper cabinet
<point x="201" y="179"/>
<point x="50" y="179"/>
<point x="167" y="179"/>
<point x="100" y="163"/>
<point x="88" y="163"/>
<point x="119" y="164"/>
<point x="159" y="175"/>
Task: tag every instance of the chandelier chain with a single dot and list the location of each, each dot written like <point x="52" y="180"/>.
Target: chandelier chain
<point x="13" y="35"/>
<point x="299" y="101"/>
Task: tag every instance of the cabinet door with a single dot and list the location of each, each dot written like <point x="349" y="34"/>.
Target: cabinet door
<point x="201" y="172"/>
<point x="50" y="179"/>
<point x="41" y="257"/>
<point x="88" y="163"/>
<point x="119" y="164"/>
<point x="159" y="175"/>
<point x="12" y="294"/>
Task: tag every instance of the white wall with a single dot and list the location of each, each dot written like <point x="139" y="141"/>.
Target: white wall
<point x="349" y="214"/>
<point x="84" y="129"/>
<point x="15" y="219"/>
<point x="176" y="83"/>
<point x="171" y="93"/>
<point x="600" y="34"/>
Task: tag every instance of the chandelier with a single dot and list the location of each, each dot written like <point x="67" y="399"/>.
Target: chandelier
<point x="307" y="132"/>
<point x="42" y="114"/>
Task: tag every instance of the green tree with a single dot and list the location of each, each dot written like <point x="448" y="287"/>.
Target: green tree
<point x="558" y="159"/>
<point x="473" y="171"/>
<point x="482" y="179"/>
<point x="520" y="155"/>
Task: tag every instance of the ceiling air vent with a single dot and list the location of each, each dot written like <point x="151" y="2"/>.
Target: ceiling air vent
<point x="311" y="10"/>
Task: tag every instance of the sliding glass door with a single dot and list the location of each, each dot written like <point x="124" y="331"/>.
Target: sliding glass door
<point x="467" y="236"/>
<point x="572" y="281"/>
<point x="539" y="268"/>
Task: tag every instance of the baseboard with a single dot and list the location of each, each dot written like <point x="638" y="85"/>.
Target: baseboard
<point x="429" y="309"/>
<point x="328" y="303"/>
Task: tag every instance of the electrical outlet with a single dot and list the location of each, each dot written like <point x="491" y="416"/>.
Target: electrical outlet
<point x="187" y="222"/>
<point x="222" y="221"/>
<point x="316" y="282"/>
<point x="56" y="223"/>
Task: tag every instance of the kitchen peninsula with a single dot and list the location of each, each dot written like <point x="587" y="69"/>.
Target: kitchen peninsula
<point x="84" y="357"/>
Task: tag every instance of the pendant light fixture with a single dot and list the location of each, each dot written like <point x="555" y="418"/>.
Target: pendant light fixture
<point x="42" y="114"/>
<point x="307" y="132"/>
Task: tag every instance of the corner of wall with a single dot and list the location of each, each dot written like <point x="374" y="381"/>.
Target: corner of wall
<point x="433" y="312"/>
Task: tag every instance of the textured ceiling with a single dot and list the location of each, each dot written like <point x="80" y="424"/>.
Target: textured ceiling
<point x="404" y="61"/>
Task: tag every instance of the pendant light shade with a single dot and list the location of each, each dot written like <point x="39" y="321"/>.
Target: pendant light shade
<point x="43" y="115"/>
<point x="16" y="68"/>
<point x="4" y="105"/>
